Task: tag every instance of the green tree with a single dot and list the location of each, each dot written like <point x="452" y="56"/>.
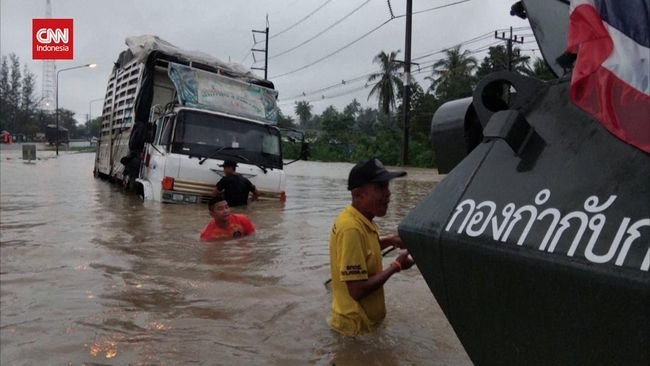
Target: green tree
<point x="367" y="121"/>
<point x="13" y="93"/>
<point x="93" y="127"/>
<point x="18" y="105"/>
<point x="423" y="106"/>
<point x="28" y="101"/>
<point x="352" y="110"/>
<point x="303" y="111"/>
<point x="4" y="93"/>
<point x="453" y="76"/>
<point x="285" y="121"/>
<point x="387" y="81"/>
<point x="66" y="119"/>
<point x="497" y="60"/>
<point x="334" y="143"/>
<point x="336" y="124"/>
<point x="540" y="70"/>
<point x="25" y="117"/>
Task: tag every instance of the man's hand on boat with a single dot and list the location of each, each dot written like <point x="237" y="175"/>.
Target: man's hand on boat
<point x="391" y="241"/>
<point x="404" y="260"/>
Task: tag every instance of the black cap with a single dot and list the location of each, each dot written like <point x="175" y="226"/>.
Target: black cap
<point x="231" y="163"/>
<point x="372" y="171"/>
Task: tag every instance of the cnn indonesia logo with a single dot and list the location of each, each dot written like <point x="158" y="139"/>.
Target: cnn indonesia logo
<point x="52" y="39"/>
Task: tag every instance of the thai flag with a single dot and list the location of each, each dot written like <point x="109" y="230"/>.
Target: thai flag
<point x="611" y="77"/>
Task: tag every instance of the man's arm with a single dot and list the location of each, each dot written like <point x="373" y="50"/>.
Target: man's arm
<point x="253" y="190"/>
<point x="218" y="188"/>
<point x="391" y="241"/>
<point x="247" y="224"/>
<point x="362" y="288"/>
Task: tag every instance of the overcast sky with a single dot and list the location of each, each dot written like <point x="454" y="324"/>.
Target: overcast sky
<point x="223" y="29"/>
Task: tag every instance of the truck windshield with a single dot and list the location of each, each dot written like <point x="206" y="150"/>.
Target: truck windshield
<point x="208" y="135"/>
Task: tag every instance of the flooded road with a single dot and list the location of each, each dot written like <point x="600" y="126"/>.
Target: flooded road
<point x="89" y="275"/>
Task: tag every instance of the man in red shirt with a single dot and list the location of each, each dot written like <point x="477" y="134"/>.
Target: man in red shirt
<point x="225" y="225"/>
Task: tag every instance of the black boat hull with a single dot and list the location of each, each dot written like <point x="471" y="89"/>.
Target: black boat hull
<point x="537" y="244"/>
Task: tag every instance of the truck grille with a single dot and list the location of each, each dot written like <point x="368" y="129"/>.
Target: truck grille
<point x="204" y="191"/>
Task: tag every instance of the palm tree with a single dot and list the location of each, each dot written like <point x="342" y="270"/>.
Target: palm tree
<point x="388" y="80"/>
<point x="497" y="60"/>
<point x="353" y="109"/>
<point x="303" y="111"/>
<point x="453" y="76"/>
<point x="540" y="70"/>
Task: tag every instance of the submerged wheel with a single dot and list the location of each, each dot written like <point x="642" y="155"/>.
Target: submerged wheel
<point x="139" y="190"/>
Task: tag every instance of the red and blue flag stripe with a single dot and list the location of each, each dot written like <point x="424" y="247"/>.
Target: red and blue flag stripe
<point x="611" y="77"/>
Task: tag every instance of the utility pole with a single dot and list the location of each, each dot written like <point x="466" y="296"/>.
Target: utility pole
<point x="265" y="50"/>
<point x="509" y="41"/>
<point x="407" y="83"/>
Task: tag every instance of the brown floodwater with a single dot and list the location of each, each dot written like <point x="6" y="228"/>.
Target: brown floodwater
<point x="89" y="275"/>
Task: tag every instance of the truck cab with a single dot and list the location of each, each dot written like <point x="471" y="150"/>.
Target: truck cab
<point x="171" y="117"/>
<point x="182" y="162"/>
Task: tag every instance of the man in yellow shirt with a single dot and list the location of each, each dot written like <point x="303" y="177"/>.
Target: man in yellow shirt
<point x="355" y="252"/>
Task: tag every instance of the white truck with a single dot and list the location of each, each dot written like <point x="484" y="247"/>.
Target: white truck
<point x="171" y="117"/>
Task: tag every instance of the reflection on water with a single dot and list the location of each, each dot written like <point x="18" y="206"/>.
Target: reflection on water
<point x="91" y="275"/>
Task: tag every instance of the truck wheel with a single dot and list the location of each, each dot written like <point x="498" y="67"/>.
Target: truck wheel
<point x="139" y="190"/>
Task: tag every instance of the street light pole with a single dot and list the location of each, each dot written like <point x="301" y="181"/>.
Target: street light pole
<point x="90" y="117"/>
<point x="57" y="99"/>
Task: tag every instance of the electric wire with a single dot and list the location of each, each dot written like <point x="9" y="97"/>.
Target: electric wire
<point x="321" y="32"/>
<point x="421" y="65"/>
<point x="434" y="8"/>
<point x="355" y="41"/>
<point x="332" y="53"/>
<point x="425" y="67"/>
<point x="301" y="20"/>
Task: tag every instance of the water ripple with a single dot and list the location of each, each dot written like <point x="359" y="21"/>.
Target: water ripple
<point x="94" y="276"/>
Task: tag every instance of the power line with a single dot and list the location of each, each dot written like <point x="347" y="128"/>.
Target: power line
<point x="472" y="40"/>
<point x="301" y="20"/>
<point x="248" y="53"/>
<point x="333" y="53"/>
<point x="319" y="92"/>
<point x="255" y="42"/>
<point x="421" y="67"/>
<point x="356" y="40"/>
<point x="424" y="67"/>
<point x="486" y="47"/>
<point x="321" y="32"/>
<point x="434" y="8"/>
<point x="333" y="86"/>
<point x="324" y="98"/>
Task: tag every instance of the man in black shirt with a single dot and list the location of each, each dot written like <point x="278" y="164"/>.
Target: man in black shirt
<point x="234" y="186"/>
